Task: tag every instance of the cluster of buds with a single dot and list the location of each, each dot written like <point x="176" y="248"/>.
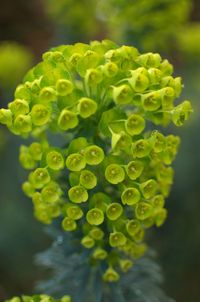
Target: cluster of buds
<point x="39" y="298"/>
<point x="109" y="180"/>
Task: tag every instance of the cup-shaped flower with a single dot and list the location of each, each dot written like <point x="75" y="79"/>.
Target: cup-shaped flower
<point x="86" y="107"/>
<point x="88" y="242"/>
<point x="99" y="254"/>
<point x="69" y="224"/>
<point x="130" y="196"/>
<point x="114" y="174"/>
<point x="64" y="87"/>
<point x="40" y="177"/>
<point x="114" y="211"/>
<point x="134" y="169"/>
<point x="149" y="188"/>
<point x="122" y="94"/>
<point x="88" y="179"/>
<point x="51" y="192"/>
<point x="110" y="275"/>
<point x="133" y="226"/>
<point x="135" y="124"/>
<point x="96" y="233"/>
<point x="95" y="216"/>
<point x="23" y="123"/>
<point x="125" y="265"/>
<point x="117" y="239"/>
<point x="141" y="148"/>
<point x="47" y="94"/>
<point x="74" y="212"/>
<point x="75" y="162"/>
<point x="94" y="155"/>
<point x="55" y="160"/>
<point x="67" y="120"/>
<point x="78" y="194"/>
<point x="143" y="210"/>
<point x="19" y="107"/>
<point x="40" y="114"/>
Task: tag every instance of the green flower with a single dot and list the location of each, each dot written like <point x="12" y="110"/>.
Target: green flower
<point x="67" y="120"/>
<point x="130" y="196"/>
<point x="94" y="155"/>
<point x="114" y="174"/>
<point x="135" y="124"/>
<point x="69" y="224"/>
<point x="114" y="211"/>
<point x="117" y="239"/>
<point x="78" y="194"/>
<point x="110" y="275"/>
<point x="95" y="216"/>
<point x="75" y="162"/>
<point x="86" y="107"/>
<point x="55" y="160"/>
<point x="88" y="179"/>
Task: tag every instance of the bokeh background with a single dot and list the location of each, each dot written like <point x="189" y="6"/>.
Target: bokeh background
<point x="171" y="27"/>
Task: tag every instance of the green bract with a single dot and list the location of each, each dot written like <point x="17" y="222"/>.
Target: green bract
<point x="40" y="298"/>
<point x="109" y="170"/>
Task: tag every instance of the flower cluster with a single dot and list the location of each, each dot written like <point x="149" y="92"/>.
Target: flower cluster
<point x="39" y="298"/>
<point x="109" y="179"/>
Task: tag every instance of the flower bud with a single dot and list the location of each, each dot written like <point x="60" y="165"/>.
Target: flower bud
<point x="122" y="95"/>
<point x="132" y="227"/>
<point x="69" y="224"/>
<point x="75" y="162"/>
<point x="95" y="216"/>
<point x="86" y="107"/>
<point x="40" y="114"/>
<point x="117" y="239"/>
<point x="19" y="107"/>
<point x="135" y="124"/>
<point x="23" y="123"/>
<point x="88" y="242"/>
<point x="64" y="87"/>
<point x="74" y="212"/>
<point x="55" y="160"/>
<point x="149" y="188"/>
<point x="130" y="196"/>
<point x="114" y="174"/>
<point x="143" y="210"/>
<point x="40" y="177"/>
<point x="114" y="211"/>
<point x="88" y="179"/>
<point x="47" y="94"/>
<point x="99" y="254"/>
<point x="78" y="194"/>
<point x="67" y="120"/>
<point x="110" y="275"/>
<point x="134" y="169"/>
<point x="94" y="155"/>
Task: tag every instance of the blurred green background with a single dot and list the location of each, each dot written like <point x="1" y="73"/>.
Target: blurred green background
<point x="171" y="27"/>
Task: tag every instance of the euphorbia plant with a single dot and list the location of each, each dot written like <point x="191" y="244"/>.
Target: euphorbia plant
<point x="100" y="164"/>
